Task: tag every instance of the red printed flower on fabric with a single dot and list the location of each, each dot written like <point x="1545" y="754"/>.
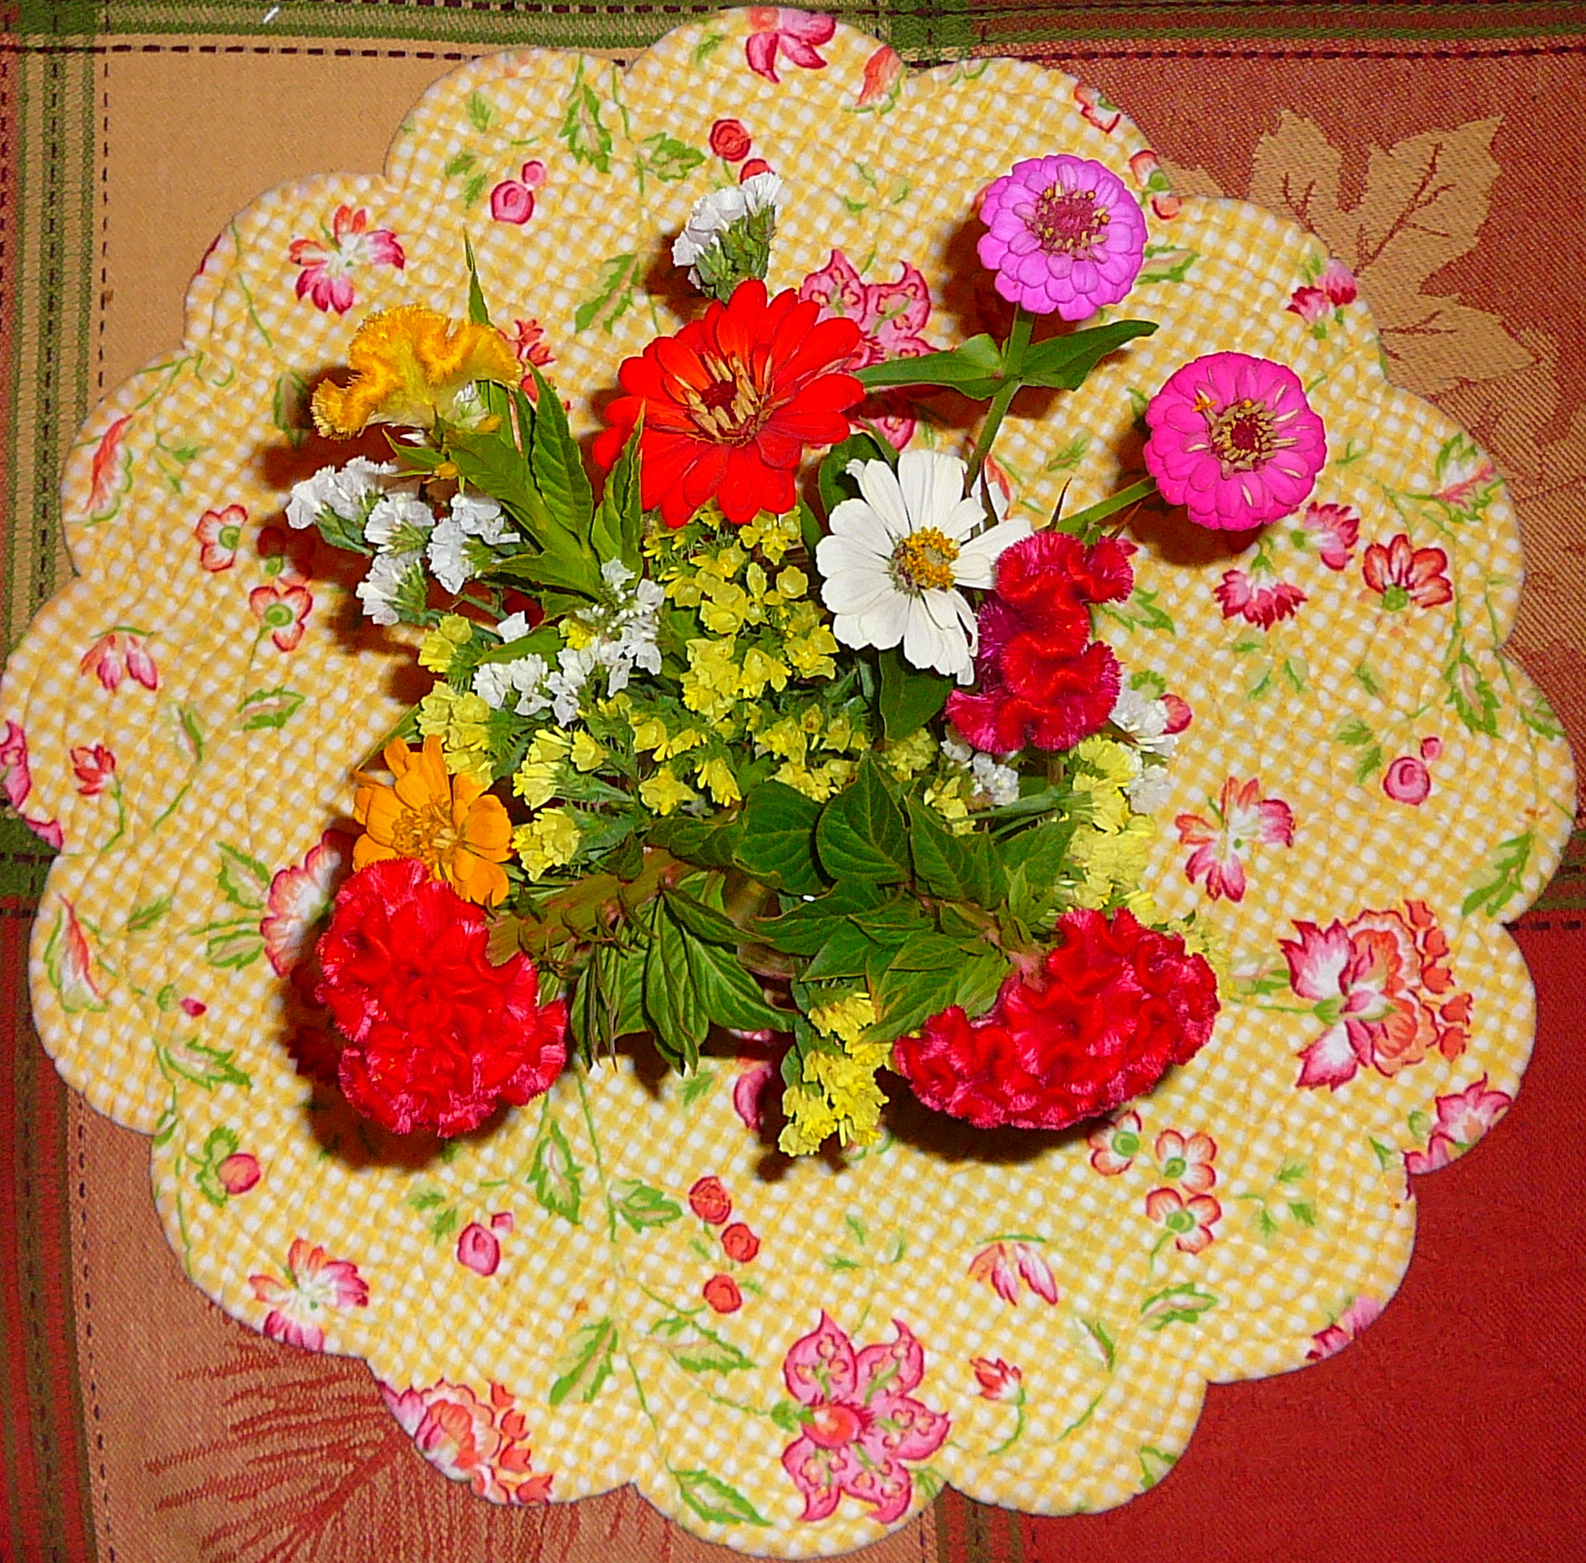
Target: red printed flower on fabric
<point x="95" y="768"/>
<point x="1041" y="680"/>
<point x="299" y="898"/>
<point x="1335" y="529"/>
<point x="775" y="30"/>
<point x="890" y="317"/>
<point x="1402" y="575"/>
<point x="1383" y="987"/>
<point x="730" y="403"/>
<point x="286" y="556"/>
<point x="1188" y="1221"/>
<point x="883" y="75"/>
<point x="1250" y="597"/>
<point x="483" y="1443"/>
<point x="121" y="654"/>
<point x="1234" y="441"/>
<point x="1114" y="1146"/>
<point x="1358" y="1317"/>
<point x="1004" y="1265"/>
<point x="528" y="344"/>
<point x="1244" y="820"/>
<point x="512" y="201"/>
<point x="16" y="781"/>
<point x="860" y="1422"/>
<point x="314" y="1283"/>
<point x="1098" y="1022"/>
<point x="1462" y="1119"/>
<point x="998" y="1380"/>
<point x="1097" y="108"/>
<point x="218" y="533"/>
<point x="437" y="1034"/>
<point x="327" y="261"/>
<point x="1331" y="292"/>
<point x="1187" y="1159"/>
<point x="730" y="141"/>
<point x="283" y="611"/>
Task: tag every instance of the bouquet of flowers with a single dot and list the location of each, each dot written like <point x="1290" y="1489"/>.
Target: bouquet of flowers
<point x="827" y="754"/>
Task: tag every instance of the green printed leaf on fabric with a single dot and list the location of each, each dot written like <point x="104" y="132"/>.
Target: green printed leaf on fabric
<point x="712" y="1499"/>
<point x="1504" y="875"/>
<point x="696" y="1349"/>
<point x="267" y="708"/>
<point x="583" y="1368"/>
<point x="1474" y="700"/>
<point x="587" y="138"/>
<point x="203" y="1065"/>
<point x="243" y="879"/>
<point x="1182" y="1304"/>
<point x="668" y="158"/>
<point x="612" y="294"/>
<point x="553" y="1174"/>
<point x="232" y="948"/>
<point x="641" y="1206"/>
<point x="148" y="913"/>
<point x="220" y="1143"/>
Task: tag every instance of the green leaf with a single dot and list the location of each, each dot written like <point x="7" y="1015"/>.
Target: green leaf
<point x="712" y="1499"/>
<point x="218" y="1145"/>
<point x="1302" y="1212"/>
<point x="289" y="408"/>
<point x="583" y="1368"/>
<point x="672" y="1005"/>
<point x="555" y="1176"/>
<point x="642" y="1206"/>
<point x="1505" y="874"/>
<point x="556" y="462"/>
<point x="192" y="734"/>
<point x="1063" y="362"/>
<point x="711" y="843"/>
<point x="203" y="1065"/>
<point x="728" y="995"/>
<point x="587" y="139"/>
<point x="861" y="833"/>
<point x="908" y="997"/>
<point x="807" y="925"/>
<point x="1182" y="1304"/>
<point x="789" y="1415"/>
<point x="233" y="948"/>
<point x="149" y="913"/>
<point x="1139" y="611"/>
<point x="970" y="367"/>
<point x="480" y="114"/>
<point x="909" y="696"/>
<point x="478" y="311"/>
<point x="267" y="708"/>
<point x="1354" y="732"/>
<point x="956" y="868"/>
<point x="847" y="951"/>
<point x="619" y="522"/>
<point x="243" y="880"/>
<point x="704" y="922"/>
<point x="777" y="845"/>
<point x="668" y="158"/>
<point x="612" y="295"/>
<point x="833" y="479"/>
<point x="1098" y="1333"/>
<point x="695" y="1348"/>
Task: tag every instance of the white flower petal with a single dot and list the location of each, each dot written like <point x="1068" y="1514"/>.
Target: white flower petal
<point x="879" y="485"/>
<point x="977" y="559"/>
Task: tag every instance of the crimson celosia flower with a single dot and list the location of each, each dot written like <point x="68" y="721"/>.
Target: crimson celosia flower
<point x="730" y="403"/>
<point x="1040" y="679"/>
<point x="436" y="1034"/>
<point x="1098" y="1023"/>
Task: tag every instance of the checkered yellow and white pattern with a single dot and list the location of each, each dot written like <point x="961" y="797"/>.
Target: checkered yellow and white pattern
<point x="140" y="918"/>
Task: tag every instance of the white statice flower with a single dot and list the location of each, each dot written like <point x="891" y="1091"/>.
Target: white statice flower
<point x="565" y="686"/>
<point x="718" y="210"/>
<point x="480" y="516"/>
<point x="1150" y="790"/>
<point x="957" y="752"/>
<point x="625" y="631"/>
<point x="472" y="518"/>
<point x="341" y="489"/>
<point x="999" y="782"/>
<point x="390" y="577"/>
<point x="895" y="557"/>
<point x="522" y="681"/>
<point x="399" y="523"/>
<point x="1145" y="721"/>
<point x="514" y="627"/>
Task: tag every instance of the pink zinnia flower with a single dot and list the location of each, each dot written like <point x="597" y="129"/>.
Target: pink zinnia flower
<point x="1462" y="1119"/>
<point x="1234" y="441"/>
<point x="791" y="34"/>
<point x="1402" y="574"/>
<point x="1335" y="529"/>
<point x="1003" y="1266"/>
<point x="1062" y="234"/>
<point x="1244" y="819"/>
<point x="314" y="1283"/>
<point x="1240" y="596"/>
<point x="1359" y="1316"/>
<point x="1189" y="1220"/>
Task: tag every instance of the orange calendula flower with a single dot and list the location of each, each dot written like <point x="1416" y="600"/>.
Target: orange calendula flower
<point x="409" y="365"/>
<point x="449" y="823"/>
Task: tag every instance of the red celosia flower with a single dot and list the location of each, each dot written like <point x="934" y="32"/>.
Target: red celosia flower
<point x="730" y="402"/>
<point x="1098" y="1023"/>
<point x="437" y="1035"/>
<point x="1040" y="679"/>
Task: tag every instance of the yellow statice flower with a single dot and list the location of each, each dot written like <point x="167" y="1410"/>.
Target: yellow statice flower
<point x="851" y="1092"/>
<point x="439" y="647"/>
<point x="716" y="776"/>
<point x="674" y="744"/>
<point x="847" y="1019"/>
<point x="784" y="738"/>
<point x="759" y="670"/>
<point x="772" y="535"/>
<point x="810" y="1121"/>
<point x="792" y="583"/>
<point x="947" y="797"/>
<point x="410" y="364"/>
<point x="663" y="792"/>
<point x="587" y="753"/>
<point x="710" y="686"/>
<point x="912" y="756"/>
<point x="808" y="643"/>
<point x="549" y="840"/>
<point x="457" y="830"/>
<point x="538" y="779"/>
<point x="458" y="719"/>
<point x="1111" y="860"/>
<point x="649" y="733"/>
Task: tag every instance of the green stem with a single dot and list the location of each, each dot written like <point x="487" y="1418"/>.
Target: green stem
<point x="1012" y="362"/>
<point x="1082" y="520"/>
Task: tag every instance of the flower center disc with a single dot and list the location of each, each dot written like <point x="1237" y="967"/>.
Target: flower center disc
<point x="1242" y="434"/>
<point x="833" y="1426"/>
<point x="731" y="410"/>
<point x="427" y="834"/>
<point x="923" y="561"/>
<point x="1067" y="222"/>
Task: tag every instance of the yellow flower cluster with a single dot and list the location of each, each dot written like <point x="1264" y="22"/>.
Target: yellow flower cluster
<point x="439" y="648"/>
<point x="838" y="1093"/>
<point x="458" y="719"/>
<point x="1111" y="842"/>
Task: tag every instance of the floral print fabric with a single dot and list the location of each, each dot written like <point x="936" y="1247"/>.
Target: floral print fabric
<point x="606" y="1286"/>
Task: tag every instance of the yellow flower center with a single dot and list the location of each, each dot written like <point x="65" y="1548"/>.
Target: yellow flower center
<point x="732" y="409"/>
<point x="1067" y="221"/>
<point x="427" y="834"/>
<point x="1243" y="434"/>
<point x="923" y="561"/>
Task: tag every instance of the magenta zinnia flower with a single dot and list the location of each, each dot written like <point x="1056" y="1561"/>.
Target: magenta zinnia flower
<point x="1063" y="235"/>
<point x="1234" y="441"/>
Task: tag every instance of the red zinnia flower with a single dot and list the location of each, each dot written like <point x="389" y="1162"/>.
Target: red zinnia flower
<point x="730" y="402"/>
<point x="1041" y="679"/>
<point x="1097" y="1024"/>
<point x="437" y="1035"/>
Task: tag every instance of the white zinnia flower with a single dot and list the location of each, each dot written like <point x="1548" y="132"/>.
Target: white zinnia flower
<point x="895" y="557"/>
<point x="717" y="211"/>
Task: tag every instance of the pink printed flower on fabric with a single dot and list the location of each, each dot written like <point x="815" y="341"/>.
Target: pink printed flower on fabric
<point x="117" y="655"/>
<point x="95" y="767"/>
<point x="1114" y="1146"/>
<point x="1189" y="1220"/>
<point x="1335" y="529"/>
<point x="300" y="899"/>
<point x="883" y="74"/>
<point x="1402" y="575"/>
<point x="218" y="533"/>
<point x="314" y="1283"/>
<point x="1234" y="441"/>
<point x="1063" y="236"/>
<point x="1244" y="819"/>
<point x="1002" y="1266"/>
<point x="1187" y="1159"/>
<point x="1331" y="292"/>
<point x="16" y="780"/>
<point x="466" y="1438"/>
<point x="860" y="1423"/>
<point x="283" y="610"/>
<point x="1462" y="1119"/>
<point x="1248" y="597"/>
<point x="1096" y="107"/>
<point x="1358" y="1317"/>
<point x="327" y="261"/>
<point x="998" y="1380"/>
<point x="793" y="35"/>
<point x="528" y="345"/>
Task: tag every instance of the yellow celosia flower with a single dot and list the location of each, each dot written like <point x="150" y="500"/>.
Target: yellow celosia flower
<point x="549" y="840"/>
<point x="451" y="825"/>
<point x="663" y="792"/>
<point x="847" y="1018"/>
<point x="409" y="365"/>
